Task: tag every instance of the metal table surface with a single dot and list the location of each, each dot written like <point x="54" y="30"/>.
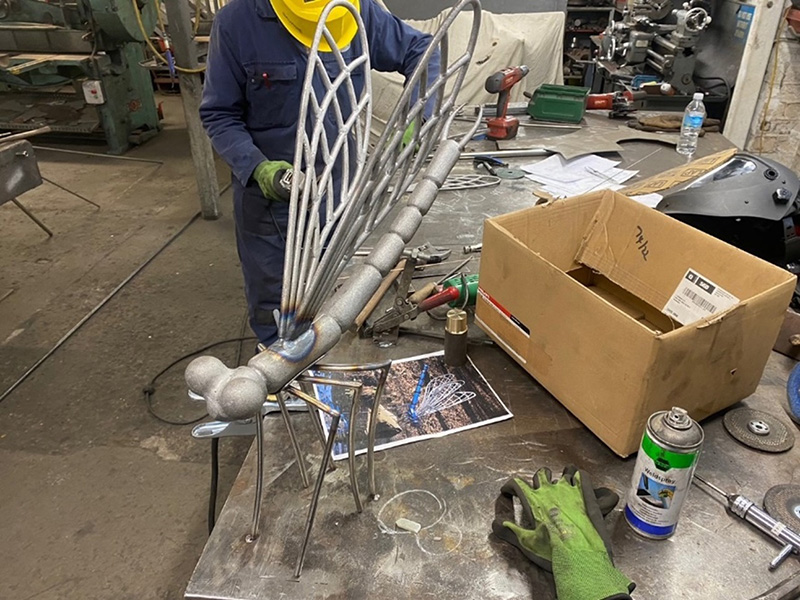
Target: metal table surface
<point x="449" y="485"/>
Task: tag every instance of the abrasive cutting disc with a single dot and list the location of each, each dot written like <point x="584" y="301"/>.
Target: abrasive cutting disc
<point x="759" y="430"/>
<point x="782" y="502"/>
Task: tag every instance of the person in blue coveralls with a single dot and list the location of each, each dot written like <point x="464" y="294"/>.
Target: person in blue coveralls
<point x="256" y="64"/>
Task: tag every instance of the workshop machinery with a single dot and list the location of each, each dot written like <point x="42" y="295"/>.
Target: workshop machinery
<point x="654" y="38"/>
<point x="76" y="67"/>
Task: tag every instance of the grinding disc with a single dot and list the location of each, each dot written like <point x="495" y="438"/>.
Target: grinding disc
<point x="782" y="502"/>
<point x="504" y="173"/>
<point x="758" y="430"/>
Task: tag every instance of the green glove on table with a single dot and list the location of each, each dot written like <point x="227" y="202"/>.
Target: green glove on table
<point x="268" y="176"/>
<point x="567" y="534"/>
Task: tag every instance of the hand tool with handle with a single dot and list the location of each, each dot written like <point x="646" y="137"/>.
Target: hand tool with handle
<point x="747" y="510"/>
<point x="502" y="126"/>
<point x="385" y="329"/>
<point x="418" y="303"/>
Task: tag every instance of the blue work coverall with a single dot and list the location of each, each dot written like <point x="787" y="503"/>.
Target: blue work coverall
<point x="251" y="99"/>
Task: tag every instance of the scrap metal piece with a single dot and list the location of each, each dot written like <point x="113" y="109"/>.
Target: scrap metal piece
<point x="469" y="181"/>
<point x="782" y="502"/>
<point x="758" y="430"/>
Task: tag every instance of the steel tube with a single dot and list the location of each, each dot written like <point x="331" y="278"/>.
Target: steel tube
<point x="351" y="445"/>
<point x="665" y="43"/>
<point x="312" y="509"/>
<point x="254" y="527"/>
<point x="298" y="454"/>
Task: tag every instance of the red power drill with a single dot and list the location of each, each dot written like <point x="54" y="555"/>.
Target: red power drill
<point x="503" y="127"/>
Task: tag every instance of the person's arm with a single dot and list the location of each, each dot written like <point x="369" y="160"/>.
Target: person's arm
<point x="223" y="107"/>
<point x="394" y="46"/>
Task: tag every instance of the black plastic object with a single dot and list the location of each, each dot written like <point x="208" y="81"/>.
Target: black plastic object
<point x="750" y="202"/>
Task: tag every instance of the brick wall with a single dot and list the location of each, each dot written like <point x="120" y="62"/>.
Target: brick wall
<point x="781" y="135"/>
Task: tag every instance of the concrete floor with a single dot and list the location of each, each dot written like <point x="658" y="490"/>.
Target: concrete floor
<point x="98" y="499"/>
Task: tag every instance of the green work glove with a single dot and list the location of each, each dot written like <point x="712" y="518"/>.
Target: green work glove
<point x="567" y="534"/>
<point x="268" y="175"/>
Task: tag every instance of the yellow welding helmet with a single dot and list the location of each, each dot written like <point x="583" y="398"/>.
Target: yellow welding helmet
<point x="300" y="18"/>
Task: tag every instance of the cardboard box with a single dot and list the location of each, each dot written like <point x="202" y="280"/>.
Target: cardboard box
<point x="576" y="291"/>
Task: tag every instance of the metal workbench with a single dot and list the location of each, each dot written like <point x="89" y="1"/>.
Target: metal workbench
<point x="450" y="485"/>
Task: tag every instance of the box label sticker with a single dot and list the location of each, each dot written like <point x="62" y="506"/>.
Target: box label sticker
<point x="697" y="297"/>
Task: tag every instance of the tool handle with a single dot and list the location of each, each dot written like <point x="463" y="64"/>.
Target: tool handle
<point x="762" y="521"/>
<point x="378" y="295"/>
<point x="502" y="103"/>
<point x="443" y="297"/>
<point x="422" y="293"/>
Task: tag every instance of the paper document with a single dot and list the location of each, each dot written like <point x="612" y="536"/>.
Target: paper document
<point x="564" y="178"/>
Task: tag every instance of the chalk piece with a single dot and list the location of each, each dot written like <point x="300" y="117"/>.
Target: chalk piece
<point x="407" y="525"/>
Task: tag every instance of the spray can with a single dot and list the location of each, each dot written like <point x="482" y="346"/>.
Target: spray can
<point x="663" y="473"/>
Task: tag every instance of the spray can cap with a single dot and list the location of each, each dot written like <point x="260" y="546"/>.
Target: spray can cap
<point x="678" y="418"/>
<point x="698" y="96"/>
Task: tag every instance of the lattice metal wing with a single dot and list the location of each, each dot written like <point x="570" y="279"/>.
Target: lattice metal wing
<point x="349" y="189"/>
<point x="331" y="148"/>
<point x="338" y="208"/>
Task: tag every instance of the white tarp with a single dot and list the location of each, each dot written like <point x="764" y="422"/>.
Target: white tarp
<point x="532" y="39"/>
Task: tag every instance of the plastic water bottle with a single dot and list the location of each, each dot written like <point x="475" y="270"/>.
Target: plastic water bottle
<point x="693" y="119"/>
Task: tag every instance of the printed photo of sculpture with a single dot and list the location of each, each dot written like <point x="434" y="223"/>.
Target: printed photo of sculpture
<point x="422" y="398"/>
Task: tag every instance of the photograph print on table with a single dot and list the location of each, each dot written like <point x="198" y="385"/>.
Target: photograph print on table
<point x="422" y="398"/>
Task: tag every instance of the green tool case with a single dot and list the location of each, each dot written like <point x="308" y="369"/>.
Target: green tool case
<point x="561" y="103"/>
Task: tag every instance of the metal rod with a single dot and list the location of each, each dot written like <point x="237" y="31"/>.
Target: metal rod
<point x="372" y="425"/>
<point x="312" y="509"/>
<point x="507" y="153"/>
<point x="355" y="403"/>
<point x="662" y="41"/>
<point x="298" y="454"/>
<point x="712" y="486"/>
<point x="354" y="388"/>
<point x="69" y="191"/>
<point x="99" y="155"/>
<point x="314" y="413"/>
<point x="32" y="217"/>
<point x="24" y="134"/>
<point x="94" y="311"/>
<point x="383" y="369"/>
<point x="253" y="536"/>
